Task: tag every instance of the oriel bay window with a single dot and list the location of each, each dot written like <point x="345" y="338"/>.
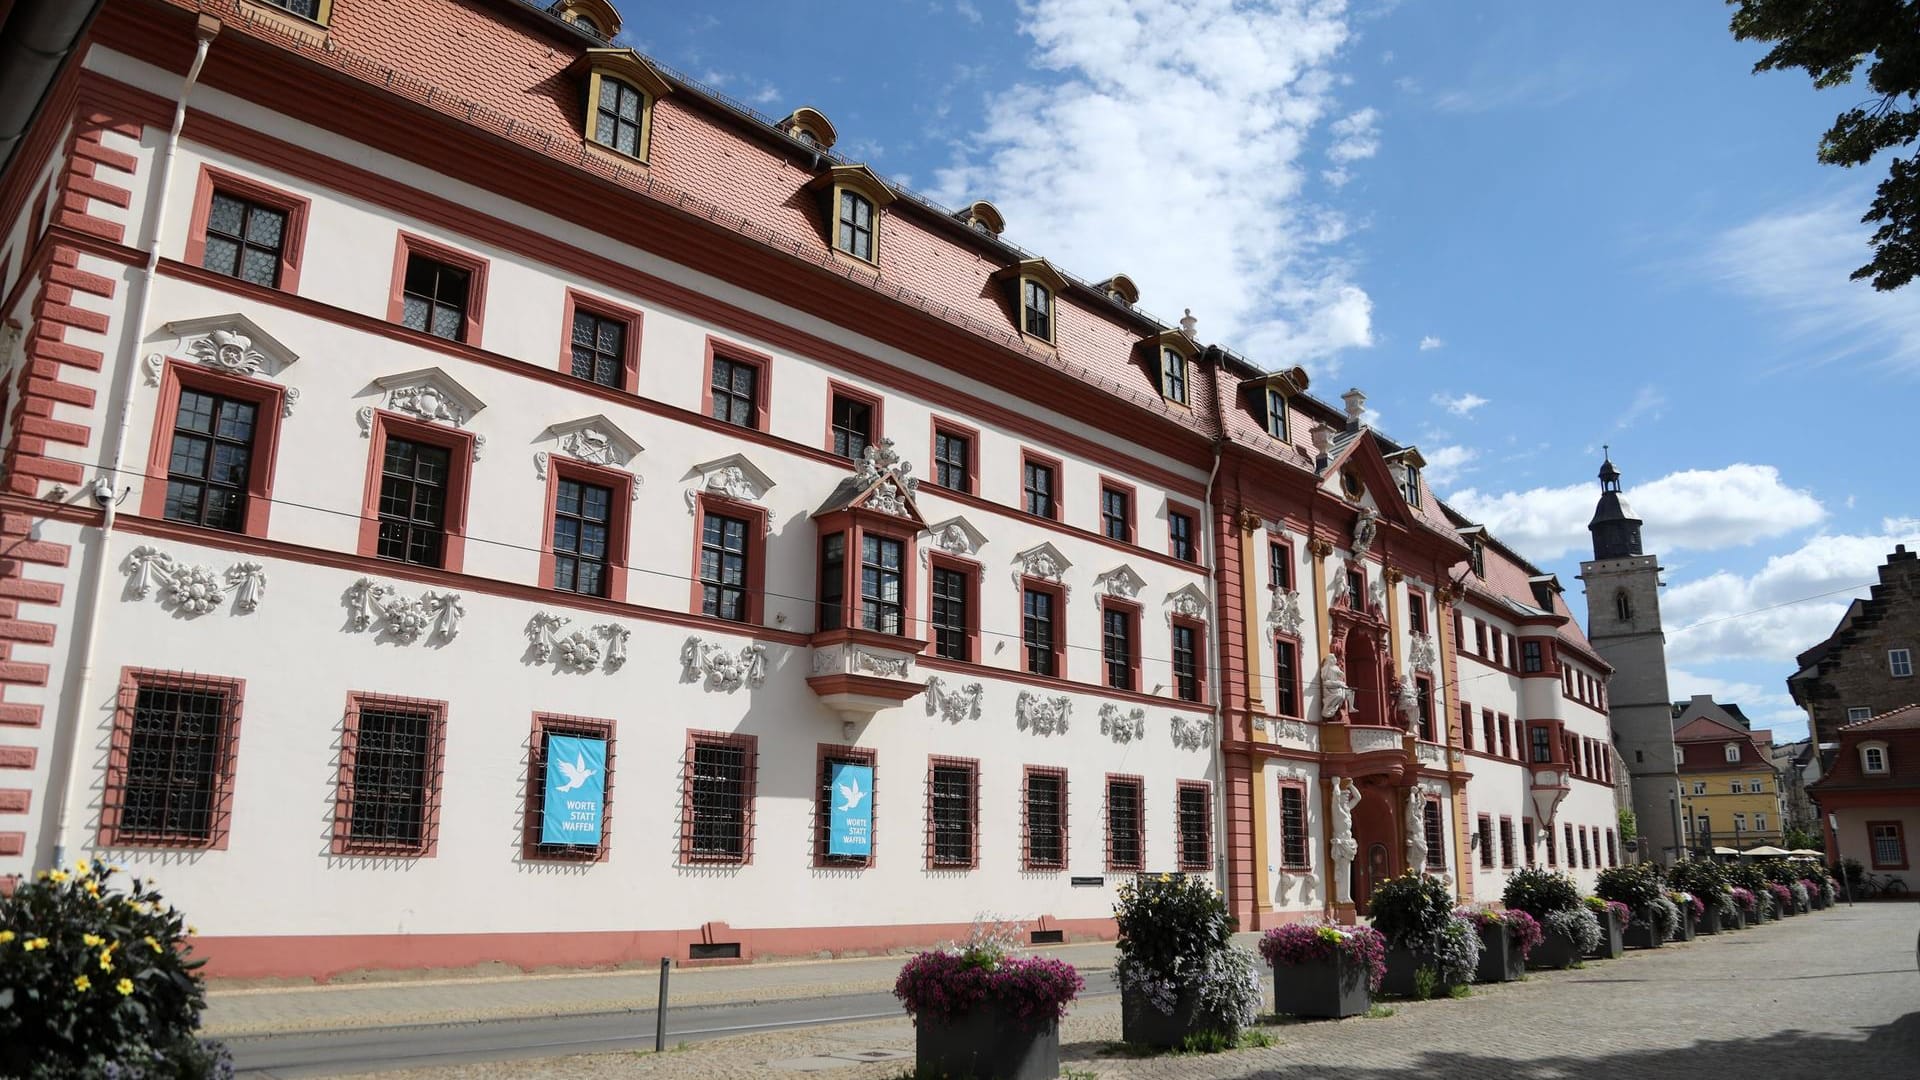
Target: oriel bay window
<point x="882" y="599"/>
<point x="867" y="585"/>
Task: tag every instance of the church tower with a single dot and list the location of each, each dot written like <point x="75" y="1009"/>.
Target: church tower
<point x="1623" y="624"/>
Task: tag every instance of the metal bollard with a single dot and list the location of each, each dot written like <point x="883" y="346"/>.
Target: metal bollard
<point x="660" y="1010"/>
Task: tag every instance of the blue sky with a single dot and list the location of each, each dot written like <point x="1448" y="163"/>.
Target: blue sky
<point x="1525" y="230"/>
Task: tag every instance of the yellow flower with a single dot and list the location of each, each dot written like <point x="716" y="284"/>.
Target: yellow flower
<point x="91" y="940"/>
<point x="6" y="937"/>
<point x="93" y="888"/>
<point x="82" y="868"/>
<point x="141" y="906"/>
<point x="83" y="983"/>
<point x="34" y="943"/>
<point x="57" y="876"/>
<point x="191" y="929"/>
<point x="153" y="944"/>
<point x="106" y="960"/>
<point x="125" y="986"/>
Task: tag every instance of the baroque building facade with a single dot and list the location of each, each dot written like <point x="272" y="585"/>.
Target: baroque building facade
<point x="421" y="430"/>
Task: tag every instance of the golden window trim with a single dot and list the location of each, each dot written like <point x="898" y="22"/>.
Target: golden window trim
<point x="604" y="16"/>
<point x="814" y="123"/>
<point x="275" y="15"/>
<point x="626" y="67"/>
<point x="834" y="191"/>
<point x="1043" y="273"/>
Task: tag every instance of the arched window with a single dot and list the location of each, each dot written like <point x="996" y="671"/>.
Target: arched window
<point x="1622" y="605"/>
<point x="621" y="92"/>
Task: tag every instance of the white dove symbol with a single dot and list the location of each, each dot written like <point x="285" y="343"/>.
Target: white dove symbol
<point x="576" y="773"/>
<point x="852" y="793"/>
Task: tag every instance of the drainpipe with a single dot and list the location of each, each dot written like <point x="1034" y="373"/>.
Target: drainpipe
<point x="1216" y="677"/>
<point x="106" y="488"/>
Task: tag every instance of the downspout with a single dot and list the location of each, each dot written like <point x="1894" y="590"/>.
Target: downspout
<point x="1215" y="674"/>
<point x="106" y="488"/>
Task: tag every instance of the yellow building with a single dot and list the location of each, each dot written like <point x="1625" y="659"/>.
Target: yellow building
<point x="1729" y="791"/>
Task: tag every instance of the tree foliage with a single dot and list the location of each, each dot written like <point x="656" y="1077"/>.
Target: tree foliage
<point x="1830" y="40"/>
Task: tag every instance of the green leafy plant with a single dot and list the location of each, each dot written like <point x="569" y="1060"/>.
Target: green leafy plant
<point x="1426" y="979"/>
<point x="1175" y="938"/>
<point x="1636" y="886"/>
<point x="1539" y="892"/>
<point x="1411" y="910"/>
<point x="1629" y="825"/>
<point x="95" y="978"/>
<point x="1704" y="878"/>
<point x="1255" y="1039"/>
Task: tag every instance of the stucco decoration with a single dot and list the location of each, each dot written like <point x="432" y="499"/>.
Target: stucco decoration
<point x="1122" y="727"/>
<point x="896" y="667"/>
<point x="1186" y="602"/>
<point x="732" y="477"/>
<point x="432" y="614"/>
<point x="887" y="499"/>
<point x="193" y="589"/>
<point x="1345" y="797"/>
<point x="1042" y="561"/>
<point x="1406" y="701"/>
<point x="616" y="636"/>
<point x="1416" y="827"/>
<point x="955" y="536"/>
<point x="429" y="394"/>
<point x="1427" y="753"/>
<point x="1281" y="728"/>
<point x="1191" y="734"/>
<point x="231" y="343"/>
<point x="1365" y="527"/>
<point x="1422" y="652"/>
<point x="1306" y="879"/>
<point x="881" y="459"/>
<point x="1335" y="695"/>
<point x="712" y="665"/>
<point x="953" y="704"/>
<point x="1042" y="715"/>
<point x="594" y="439"/>
<point x="249" y="583"/>
<point x="1377" y="595"/>
<point x="1364" y="740"/>
<point x="1285" y="616"/>
<point x="1121" y="581"/>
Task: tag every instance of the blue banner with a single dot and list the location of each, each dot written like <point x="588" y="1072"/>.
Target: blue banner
<point x="850" y="814"/>
<point x="576" y="790"/>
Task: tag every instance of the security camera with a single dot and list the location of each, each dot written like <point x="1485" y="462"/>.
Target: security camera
<point x="103" y="492"/>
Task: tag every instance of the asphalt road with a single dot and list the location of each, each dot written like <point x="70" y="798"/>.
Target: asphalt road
<point x="330" y="1053"/>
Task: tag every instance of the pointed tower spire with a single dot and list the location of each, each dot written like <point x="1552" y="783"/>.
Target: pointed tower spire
<point x="1616" y="532"/>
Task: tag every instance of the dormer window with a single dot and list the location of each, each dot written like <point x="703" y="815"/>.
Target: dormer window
<point x="1873" y="759"/>
<point x="596" y="17"/>
<point x="1277" y="414"/>
<point x="1121" y="290"/>
<point x="1733" y="751"/>
<point x="856" y="225"/>
<point x="1173" y="375"/>
<point x="1413" y="485"/>
<point x="1477" y="556"/>
<point x="810" y="126"/>
<point x="855" y="198"/>
<point x="1036" y="309"/>
<point x="621" y="91"/>
<point x="1036" y="288"/>
<point x="984" y="217"/>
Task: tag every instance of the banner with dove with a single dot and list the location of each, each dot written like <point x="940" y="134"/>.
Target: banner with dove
<point x="850" y="810"/>
<point x="576" y="790"/>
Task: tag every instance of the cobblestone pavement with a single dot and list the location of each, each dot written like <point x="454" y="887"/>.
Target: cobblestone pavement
<point x="1833" y="994"/>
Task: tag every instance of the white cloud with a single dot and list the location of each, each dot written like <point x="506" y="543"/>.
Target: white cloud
<point x="1791" y="603"/>
<point x="1769" y="708"/>
<point x="967" y="11"/>
<point x="1697" y="509"/>
<point x="1793" y="264"/>
<point x="1446" y="464"/>
<point x="1459" y="404"/>
<point x="1649" y="403"/>
<point x="1356" y="138"/>
<point x="1185" y="118"/>
<point x="1430" y="343"/>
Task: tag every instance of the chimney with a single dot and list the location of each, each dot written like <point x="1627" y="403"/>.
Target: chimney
<point x="1322" y="437"/>
<point x="1356" y="405"/>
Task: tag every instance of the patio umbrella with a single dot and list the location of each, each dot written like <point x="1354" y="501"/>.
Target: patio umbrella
<point x="1726" y="851"/>
<point x="1765" y="849"/>
<point x="1809" y="853"/>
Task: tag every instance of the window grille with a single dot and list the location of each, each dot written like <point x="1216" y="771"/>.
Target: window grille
<point x="1570" y="848"/>
<point x="1506" y="843"/>
<point x="852" y="427"/>
<point x="1486" y="842"/>
<point x="1116" y="643"/>
<point x="581" y="516"/>
<point x="1180" y="533"/>
<point x="1186" y="672"/>
<point x="413" y="501"/>
<point x="949" y="615"/>
<point x="1037" y="631"/>
<point x="1287" y="698"/>
<point x="1528" y="839"/>
<point x="881" y="559"/>
<point x="586" y="728"/>
<point x="1889" y="846"/>
<point x="1586" y="862"/>
<point x="952" y="814"/>
<point x="1039" y="489"/>
<point x="618" y="116"/>
<point x="825" y="796"/>
<point x="718" y="827"/>
<point x="1037" y="313"/>
<point x="1613" y="849"/>
<point x="856" y="225"/>
<point x="1115" y="520"/>
<point x="1293" y="824"/>
<point x="434" y="298"/>
<point x="210" y="460"/>
<point x="1196" y="827"/>
<point x="1045" y="811"/>
<point x="599" y="349"/>
<point x="1553" y="849"/>
<point x="170" y="781"/>
<point x="1126" y="827"/>
<point x="736" y="392"/>
<point x="723" y="566"/>
<point x="244" y="239"/>
<point x="390" y="772"/>
<point x="952" y="461"/>
<point x="1436" y="838"/>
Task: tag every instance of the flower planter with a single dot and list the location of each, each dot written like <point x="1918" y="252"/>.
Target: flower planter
<point x="1500" y="959"/>
<point x="1686" y="929"/>
<point x="1613" y="943"/>
<point x="987" y="1042"/>
<point x="1556" y="950"/>
<point x="1739" y="919"/>
<point x="1759" y="914"/>
<point x="1329" y="989"/>
<point x="1708" y="923"/>
<point x="1401" y="966"/>
<point x="1143" y="1025"/>
<point x="1802" y="908"/>
<point x="1641" y="935"/>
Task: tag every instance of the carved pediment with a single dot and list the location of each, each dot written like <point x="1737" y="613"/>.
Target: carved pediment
<point x="1120" y="581"/>
<point x="429" y="394"/>
<point x="232" y="343"/>
<point x="1042" y="561"/>
<point x="732" y="476"/>
<point x="1188" y="601"/>
<point x="956" y="536"/>
<point x="595" y="440"/>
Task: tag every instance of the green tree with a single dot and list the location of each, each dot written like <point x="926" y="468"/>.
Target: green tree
<point x="1830" y="40"/>
<point x="1796" y="839"/>
<point x="1629" y="827"/>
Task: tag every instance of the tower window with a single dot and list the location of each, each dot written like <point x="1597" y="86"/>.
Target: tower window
<point x="1623" y="605"/>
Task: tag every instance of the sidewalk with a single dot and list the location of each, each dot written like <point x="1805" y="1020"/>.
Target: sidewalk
<point x="249" y="1011"/>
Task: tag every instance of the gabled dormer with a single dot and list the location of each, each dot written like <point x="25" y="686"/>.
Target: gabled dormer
<point x="1269" y="400"/>
<point x="1170" y="357"/>
<point x="621" y="90"/>
<point x="1405" y="466"/>
<point x="852" y="199"/>
<point x="1035" y="288"/>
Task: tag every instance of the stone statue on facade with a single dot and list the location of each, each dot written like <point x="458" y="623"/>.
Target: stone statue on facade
<point x="1365" y="527"/>
<point x="1346" y="795"/>
<point x="1407" y="702"/>
<point x="1416" y="829"/>
<point x="1335" y="694"/>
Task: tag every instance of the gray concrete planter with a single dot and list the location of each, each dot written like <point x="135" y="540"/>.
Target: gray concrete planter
<point x="1708" y="923"/>
<point x="1739" y="919"/>
<point x="1642" y="935"/>
<point x="1323" y="989"/>
<point x="1686" y="928"/>
<point x="1613" y="944"/>
<point x="1143" y="1025"/>
<point x="1500" y="959"/>
<point x="1556" y="950"/>
<point x="986" y="1043"/>
<point x="1401" y="966"/>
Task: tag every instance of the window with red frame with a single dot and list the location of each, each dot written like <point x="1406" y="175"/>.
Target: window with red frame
<point x="1423" y="699"/>
<point x="950" y="615"/>
<point x="544" y="727"/>
<point x="1117" y="634"/>
<point x="952" y="460"/>
<point x="1571" y="850"/>
<point x="1044" y="820"/>
<point x="171" y="767"/>
<point x="1040" y="630"/>
<point x="1180" y="535"/>
<point x="1531" y="657"/>
<point x="1279" y="565"/>
<point x="245" y="239"/>
<point x="1506" y="843"/>
<point x="833" y="577"/>
<point x="1487" y="728"/>
<point x="1293" y="824"/>
<point x="1586" y="859"/>
<point x="1613" y="849"/>
<point x="390" y="777"/>
<point x="725" y="555"/>
<point x="1479" y="638"/>
<point x="826" y="797"/>
<point x="1435" y="836"/>
<point x="1126" y="823"/>
<point x="1553" y="853"/>
<point x="1187" y="682"/>
<point x="1287" y="692"/>
<point x="1506" y="737"/>
<point x="1528" y="840"/>
<point x="413" y="501"/>
<point x="434" y="297"/>
<point x="953" y="813"/>
<point x="210" y="463"/>
<point x="734" y="391"/>
<point x="1466" y="726"/>
<point x="1039" y="489"/>
<point x="1889" y="844"/>
<point x="882" y="584"/>
<point x="1116" y="514"/>
<point x="1196" y="827"/>
<point x="718" y="805"/>
<point x="582" y="536"/>
<point x="597" y="345"/>
<point x="852" y="426"/>
<point x="1416" y="613"/>
<point x="1485" y="831"/>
